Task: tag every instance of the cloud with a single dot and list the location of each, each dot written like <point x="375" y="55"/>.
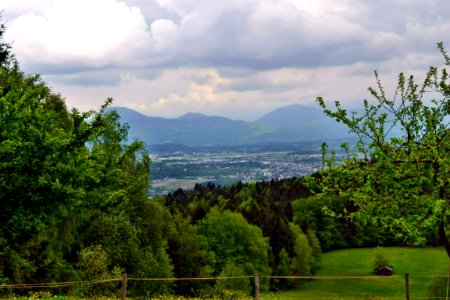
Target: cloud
<point x="76" y="35"/>
<point x="239" y="58"/>
<point x="257" y="34"/>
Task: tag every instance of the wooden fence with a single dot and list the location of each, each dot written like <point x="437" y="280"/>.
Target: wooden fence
<point x="257" y="295"/>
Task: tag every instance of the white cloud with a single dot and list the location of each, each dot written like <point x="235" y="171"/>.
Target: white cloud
<point x="238" y="58"/>
<point x="78" y="33"/>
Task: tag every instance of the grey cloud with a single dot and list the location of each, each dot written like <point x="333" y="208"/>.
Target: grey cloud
<point x="104" y="77"/>
<point x="271" y="34"/>
<point x="238" y="36"/>
<point x="260" y="48"/>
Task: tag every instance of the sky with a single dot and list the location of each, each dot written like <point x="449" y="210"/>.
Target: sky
<point x="234" y="58"/>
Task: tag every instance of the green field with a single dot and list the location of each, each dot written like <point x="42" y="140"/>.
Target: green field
<point x="420" y="263"/>
<point x="333" y="281"/>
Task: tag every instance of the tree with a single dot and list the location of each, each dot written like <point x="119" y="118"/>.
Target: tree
<point x="232" y="284"/>
<point x="235" y="241"/>
<point x="43" y="175"/>
<point x="70" y="183"/>
<point x="4" y="47"/>
<point x="283" y="269"/>
<point x="301" y="264"/>
<point x="399" y="176"/>
<point x="189" y="255"/>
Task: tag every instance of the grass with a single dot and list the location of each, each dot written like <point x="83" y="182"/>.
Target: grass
<point x="420" y="263"/>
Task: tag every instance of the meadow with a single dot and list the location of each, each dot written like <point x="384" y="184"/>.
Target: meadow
<point x="348" y="274"/>
<point x="422" y="264"/>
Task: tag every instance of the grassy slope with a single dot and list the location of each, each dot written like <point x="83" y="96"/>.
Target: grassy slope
<point x="420" y="263"/>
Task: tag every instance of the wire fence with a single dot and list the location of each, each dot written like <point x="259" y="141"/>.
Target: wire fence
<point x="411" y="286"/>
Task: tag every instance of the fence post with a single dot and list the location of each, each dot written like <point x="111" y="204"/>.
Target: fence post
<point x="124" y="286"/>
<point x="257" y="287"/>
<point x="407" y="286"/>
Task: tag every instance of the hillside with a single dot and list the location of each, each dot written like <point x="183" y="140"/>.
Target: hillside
<point x="192" y="129"/>
<point x="420" y="263"/>
<point x="304" y="122"/>
<point x="288" y="124"/>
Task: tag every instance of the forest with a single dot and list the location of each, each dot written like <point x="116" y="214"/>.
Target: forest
<point x="75" y="206"/>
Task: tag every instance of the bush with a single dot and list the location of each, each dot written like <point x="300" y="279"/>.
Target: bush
<point x="227" y="288"/>
<point x="380" y="259"/>
<point x="95" y="265"/>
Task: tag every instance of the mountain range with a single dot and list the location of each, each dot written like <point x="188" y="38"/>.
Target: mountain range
<point x="293" y="123"/>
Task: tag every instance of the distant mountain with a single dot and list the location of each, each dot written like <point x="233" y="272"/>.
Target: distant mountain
<point x="192" y="129"/>
<point x="292" y="116"/>
<point x="287" y="124"/>
<point x="192" y="116"/>
<point x="304" y="122"/>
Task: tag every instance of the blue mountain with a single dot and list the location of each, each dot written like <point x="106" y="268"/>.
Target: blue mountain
<point x="292" y="123"/>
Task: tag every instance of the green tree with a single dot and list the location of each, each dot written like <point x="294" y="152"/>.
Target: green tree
<point x="42" y="176"/>
<point x="302" y="261"/>
<point x="95" y="265"/>
<point x="323" y="215"/>
<point x="316" y="250"/>
<point x="4" y="47"/>
<point x="232" y="284"/>
<point x="70" y="181"/>
<point x="399" y="176"/>
<point x="283" y="269"/>
<point x="190" y="256"/>
<point x="232" y="239"/>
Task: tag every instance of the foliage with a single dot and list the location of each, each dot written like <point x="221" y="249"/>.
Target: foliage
<point x="399" y="182"/>
<point x="302" y="261"/>
<point x="4" y="47"/>
<point x="233" y="240"/>
<point x="380" y="259"/>
<point x="283" y="269"/>
<point x="314" y="243"/>
<point x="224" y="286"/>
<point x="190" y="256"/>
<point x="71" y="185"/>
<point x="95" y="265"/>
<point x="74" y="196"/>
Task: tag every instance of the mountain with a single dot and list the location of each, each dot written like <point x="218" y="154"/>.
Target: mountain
<point x="304" y="122"/>
<point x="191" y="129"/>
<point x="292" y="123"/>
<point x="292" y="116"/>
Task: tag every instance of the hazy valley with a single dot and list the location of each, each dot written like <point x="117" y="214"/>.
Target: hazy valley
<point x="196" y="148"/>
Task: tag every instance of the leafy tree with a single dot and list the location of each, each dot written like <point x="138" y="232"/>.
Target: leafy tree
<point x="4" y="47"/>
<point x="189" y="255"/>
<point x="315" y="247"/>
<point x="232" y="239"/>
<point x="42" y="176"/>
<point x="95" y="265"/>
<point x="301" y="264"/>
<point x="399" y="176"/>
<point x="71" y="185"/>
<point x="330" y="228"/>
<point x="233" y="284"/>
<point x="283" y="269"/>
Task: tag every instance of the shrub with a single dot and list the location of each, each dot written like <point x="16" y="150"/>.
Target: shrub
<point x="380" y="259"/>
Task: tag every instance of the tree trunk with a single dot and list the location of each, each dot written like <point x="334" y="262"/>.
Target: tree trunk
<point x="444" y="238"/>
